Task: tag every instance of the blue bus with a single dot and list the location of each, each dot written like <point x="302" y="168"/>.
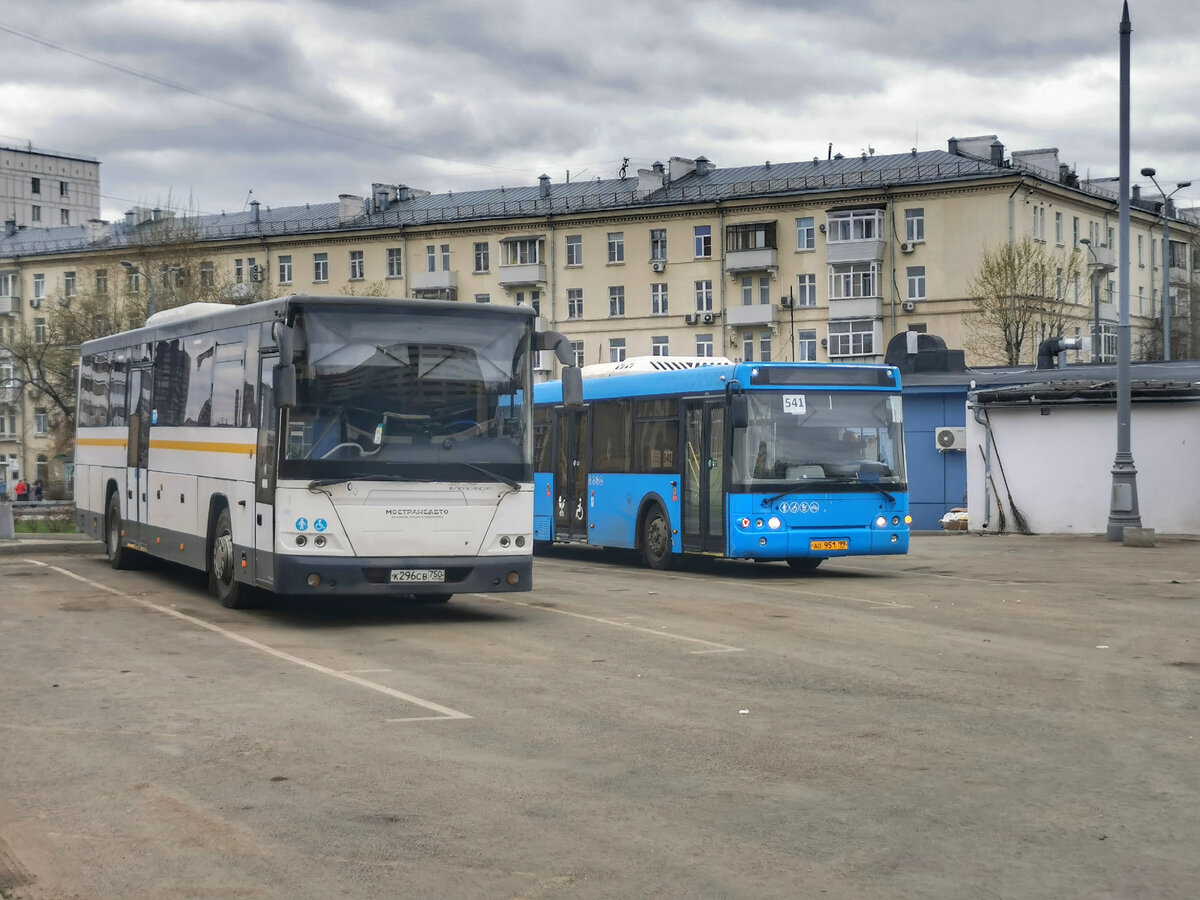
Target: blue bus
<point x="767" y="461"/>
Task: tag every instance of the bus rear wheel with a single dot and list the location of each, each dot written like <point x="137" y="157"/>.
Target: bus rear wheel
<point x="656" y="540"/>
<point x="805" y="563"/>
<point x="119" y="556"/>
<point x="232" y="593"/>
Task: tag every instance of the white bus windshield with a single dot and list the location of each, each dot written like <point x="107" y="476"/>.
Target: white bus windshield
<point x="436" y="393"/>
<point x="816" y="438"/>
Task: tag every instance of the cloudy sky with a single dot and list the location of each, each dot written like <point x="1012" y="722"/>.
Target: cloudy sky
<point x="198" y="103"/>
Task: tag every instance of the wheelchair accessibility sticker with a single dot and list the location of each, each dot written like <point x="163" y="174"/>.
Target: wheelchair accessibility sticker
<point x="320" y="524"/>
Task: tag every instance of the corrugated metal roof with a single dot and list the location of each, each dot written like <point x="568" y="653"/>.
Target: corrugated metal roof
<point x="742" y="182"/>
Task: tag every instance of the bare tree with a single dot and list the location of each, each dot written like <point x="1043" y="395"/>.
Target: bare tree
<point x="1018" y="297"/>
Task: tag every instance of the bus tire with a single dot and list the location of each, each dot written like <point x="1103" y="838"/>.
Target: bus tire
<point x="656" y="539"/>
<point x="119" y="556"/>
<point x="805" y="563"/>
<point x="222" y="574"/>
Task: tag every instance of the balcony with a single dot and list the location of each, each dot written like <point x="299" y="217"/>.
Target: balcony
<point x="9" y="395"/>
<point x="758" y="314"/>
<point x="854" y="251"/>
<point x="521" y="275"/>
<point x="433" y="281"/>
<point x="1101" y="259"/>
<point x="759" y="260"/>
<point x="9" y="305"/>
<point x="856" y="308"/>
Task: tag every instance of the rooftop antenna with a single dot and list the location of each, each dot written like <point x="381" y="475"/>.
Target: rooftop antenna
<point x="246" y="203"/>
<point x="829" y="152"/>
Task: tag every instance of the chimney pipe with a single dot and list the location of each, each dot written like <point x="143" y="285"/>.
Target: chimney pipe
<point x="952" y="146"/>
<point x="129" y="219"/>
<point x="1137" y="193"/>
<point x="10" y="227"/>
<point x="254" y="207"/>
<point x="997" y="149"/>
<point x="543" y="186"/>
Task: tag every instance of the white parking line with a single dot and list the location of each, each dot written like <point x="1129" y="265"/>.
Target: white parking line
<point x="444" y="712"/>
<point x="713" y="646"/>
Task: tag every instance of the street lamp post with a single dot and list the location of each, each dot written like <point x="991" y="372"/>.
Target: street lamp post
<point x="1166" y="258"/>
<point x="132" y="267"/>
<point x="1094" y="278"/>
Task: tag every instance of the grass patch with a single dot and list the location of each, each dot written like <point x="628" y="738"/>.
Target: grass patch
<point x="44" y="526"/>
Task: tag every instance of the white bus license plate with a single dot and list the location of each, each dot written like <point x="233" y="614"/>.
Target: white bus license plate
<point x="404" y="576"/>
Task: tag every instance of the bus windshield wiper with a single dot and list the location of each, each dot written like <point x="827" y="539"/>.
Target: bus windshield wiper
<point x="357" y="476"/>
<point x="769" y="500"/>
<point x="495" y="476"/>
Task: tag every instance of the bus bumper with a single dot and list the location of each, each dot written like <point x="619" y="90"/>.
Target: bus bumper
<point x="373" y="577"/>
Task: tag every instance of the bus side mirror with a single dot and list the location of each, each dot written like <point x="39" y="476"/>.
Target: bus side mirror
<point x="284" y="386"/>
<point x="739" y="410"/>
<point x="285" y="341"/>
<point x="572" y="386"/>
<point x="556" y="341"/>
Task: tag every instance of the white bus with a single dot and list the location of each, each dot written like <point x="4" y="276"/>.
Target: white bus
<point x="316" y="445"/>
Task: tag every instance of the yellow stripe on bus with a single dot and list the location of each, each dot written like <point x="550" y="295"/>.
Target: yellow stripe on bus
<point x="206" y="446"/>
<point x="102" y="442"/>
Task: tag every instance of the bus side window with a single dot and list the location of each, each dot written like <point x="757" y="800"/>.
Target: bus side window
<point x="200" y="351"/>
<point x="118" y="380"/>
<point x="170" y="383"/>
<point x="228" y="383"/>
<point x="611" y="433"/>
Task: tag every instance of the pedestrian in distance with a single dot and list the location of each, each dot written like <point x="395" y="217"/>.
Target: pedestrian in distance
<point x="21" y="490"/>
<point x="3" y="488"/>
<point x="37" y="489"/>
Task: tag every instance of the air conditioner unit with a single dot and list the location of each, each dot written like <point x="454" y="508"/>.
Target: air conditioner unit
<point x="785" y="302"/>
<point x="908" y="247"/>
<point x="824" y="342"/>
<point x="949" y="437"/>
<point x="256" y="273"/>
<point x="690" y="319"/>
<point x="908" y="305"/>
<point x="34" y="302"/>
<point x="658" y="265"/>
<point x="709" y="318"/>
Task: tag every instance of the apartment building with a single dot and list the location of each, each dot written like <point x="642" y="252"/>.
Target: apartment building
<point x="47" y="189"/>
<point x="825" y="259"/>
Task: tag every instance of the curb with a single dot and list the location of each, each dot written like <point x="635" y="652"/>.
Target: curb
<point x="80" y="544"/>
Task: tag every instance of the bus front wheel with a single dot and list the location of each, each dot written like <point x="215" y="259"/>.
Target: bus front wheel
<point x="805" y="563"/>
<point x="119" y="556"/>
<point x="222" y="575"/>
<point x="656" y="540"/>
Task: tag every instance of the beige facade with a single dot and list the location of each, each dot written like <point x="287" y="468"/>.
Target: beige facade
<point x="45" y="189"/>
<point x="821" y="261"/>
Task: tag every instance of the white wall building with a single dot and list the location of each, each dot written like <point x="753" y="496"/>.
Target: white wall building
<point x="46" y="189"/>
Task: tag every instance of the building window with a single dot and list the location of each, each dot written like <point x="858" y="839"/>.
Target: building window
<point x="704" y="296"/>
<point x="483" y="260"/>
<point x="521" y="252"/>
<point x="914" y="225"/>
<point x="660" y="345"/>
<point x="483" y="298"/>
<point x="755" y="236"/>
<point x="616" y="246"/>
<point x="752" y="287"/>
<point x="747" y="348"/>
<point x="806" y="236"/>
<point x="35" y="185"/>
<point x="764" y="290"/>
<point x="916" y="282"/>
<point x="102" y="282"/>
<point x="395" y="262"/>
<point x="1075" y="230"/>
<point x="320" y="267"/>
<point x="806" y="290"/>
<point x="764" y="346"/>
<point x="285" y="269"/>
<point x="574" y="249"/>
<point x="853" y="280"/>
<point x="39" y="287"/>
<point x="238" y="271"/>
<point x="658" y="299"/>
<point x="430" y="258"/>
<point x="64" y="217"/>
<point x="704" y="345"/>
<point x="1141" y="251"/>
<point x="445" y="257"/>
<point x="39" y="330"/>
<point x="64" y="189"/>
<point x="41" y="421"/>
<point x="1058" y="228"/>
<point x="616" y="349"/>
<point x="806" y="345"/>
<point x="207" y="275"/>
<point x="658" y="244"/>
<point x="574" y="303"/>
<point x="356" y="265"/>
<point x="616" y="301"/>
<point x="1039" y="223"/>
<point x="854" y="225"/>
<point x="535" y="300"/>
<point x="68" y="284"/>
<point x="1108" y="342"/>
<point x="703" y="234"/>
<point x="35" y="213"/>
<point x="853" y="337"/>
<point x="577" y="352"/>
<point x="1110" y="241"/>
<point x="1060" y="285"/>
<point x="1141" y="298"/>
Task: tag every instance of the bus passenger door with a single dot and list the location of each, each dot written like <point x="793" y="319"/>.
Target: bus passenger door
<point x="703" y="498"/>
<point x="570" y="473"/>
<point x="137" y="461"/>
<point x="264" y="474"/>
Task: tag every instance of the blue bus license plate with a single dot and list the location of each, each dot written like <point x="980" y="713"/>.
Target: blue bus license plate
<point x="821" y="545"/>
<point x="403" y="576"/>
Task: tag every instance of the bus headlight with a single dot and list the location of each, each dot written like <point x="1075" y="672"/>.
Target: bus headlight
<point x="773" y="522"/>
<point x="908" y="520"/>
<point x="745" y="522"/>
<point x="880" y="522"/>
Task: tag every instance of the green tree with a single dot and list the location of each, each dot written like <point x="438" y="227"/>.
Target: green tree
<point x="1018" y="297"/>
